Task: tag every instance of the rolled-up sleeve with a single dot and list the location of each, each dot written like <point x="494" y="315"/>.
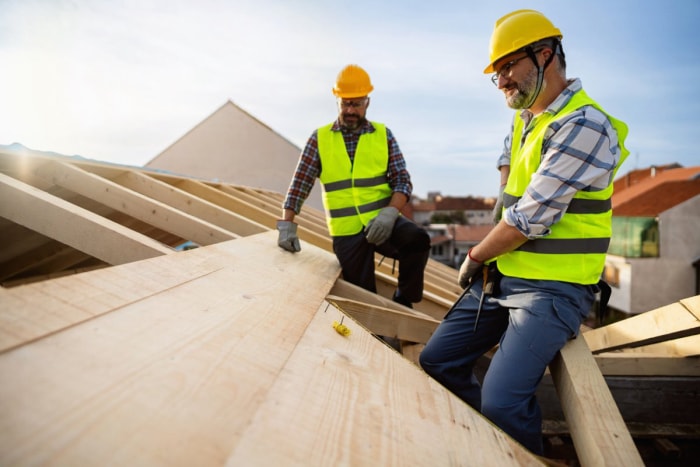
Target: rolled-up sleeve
<point x="397" y="172"/>
<point x="580" y="153"/>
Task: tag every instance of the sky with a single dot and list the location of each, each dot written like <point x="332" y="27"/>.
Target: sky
<point x="121" y="80"/>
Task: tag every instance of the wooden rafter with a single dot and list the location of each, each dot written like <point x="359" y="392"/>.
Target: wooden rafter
<point x="65" y="222"/>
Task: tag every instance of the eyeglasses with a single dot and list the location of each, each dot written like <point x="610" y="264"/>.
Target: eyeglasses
<point x="345" y="104"/>
<point x="506" y="69"/>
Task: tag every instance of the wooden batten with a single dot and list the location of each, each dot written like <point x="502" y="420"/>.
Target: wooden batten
<point x="597" y="428"/>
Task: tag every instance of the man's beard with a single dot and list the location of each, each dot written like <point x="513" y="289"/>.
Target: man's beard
<point x="526" y="88"/>
<point x="353" y="124"/>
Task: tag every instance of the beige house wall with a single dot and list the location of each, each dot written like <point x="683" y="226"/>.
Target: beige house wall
<point x="234" y="147"/>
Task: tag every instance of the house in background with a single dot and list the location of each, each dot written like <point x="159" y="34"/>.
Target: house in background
<point x="454" y="224"/>
<point x="449" y="243"/>
<point x="232" y="146"/>
<point x="655" y="246"/>
<point x="438" y="209"/>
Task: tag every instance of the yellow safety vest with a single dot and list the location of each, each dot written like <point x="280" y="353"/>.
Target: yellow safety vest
<point x="575" y="249"/>
<point x="353" y="193"/>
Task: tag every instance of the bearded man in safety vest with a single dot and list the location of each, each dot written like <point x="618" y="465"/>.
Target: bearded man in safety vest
<point x="365" y="185"/>
<point x="534" y="278"/>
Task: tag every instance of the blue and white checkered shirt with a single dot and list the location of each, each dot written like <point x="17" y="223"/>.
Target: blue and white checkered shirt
<point x="580" y="152"/>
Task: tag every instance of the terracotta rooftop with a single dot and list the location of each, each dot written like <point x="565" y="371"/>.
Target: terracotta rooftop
<point x="653" y="195"/>
<point x="464" y="233"/>
<point x="658" y="199"/>
<point x="635" y="176"/>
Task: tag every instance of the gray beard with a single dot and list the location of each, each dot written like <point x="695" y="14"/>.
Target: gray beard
<point x="525" y="89"/>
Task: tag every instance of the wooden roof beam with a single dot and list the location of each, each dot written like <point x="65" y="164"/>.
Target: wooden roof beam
<point x="149" y="185"/>
<point x="132" y="203"/>
<point x="598" y="431"/>
<point x="387" y="322"/>
<point x="74" y="226"/>
<point x="670" y="322"/>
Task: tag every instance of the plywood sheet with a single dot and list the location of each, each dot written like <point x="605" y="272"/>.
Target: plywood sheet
<point x="357" y="402"/>
<point x="236" y="365"/>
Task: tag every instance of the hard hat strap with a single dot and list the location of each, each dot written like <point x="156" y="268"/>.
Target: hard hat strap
<point x="540" y="69"/>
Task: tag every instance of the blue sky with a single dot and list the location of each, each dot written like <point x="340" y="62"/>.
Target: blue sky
<point x="121" y="80"/>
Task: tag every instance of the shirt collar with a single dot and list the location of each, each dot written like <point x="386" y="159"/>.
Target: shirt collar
<point x="560" y="101"/>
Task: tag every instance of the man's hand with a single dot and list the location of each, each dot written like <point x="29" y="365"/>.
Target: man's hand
<point x="288" y="238"/>
<point x="379" y="229"/>
<point x="470" y="267"/>
<point x="498" y="209"/>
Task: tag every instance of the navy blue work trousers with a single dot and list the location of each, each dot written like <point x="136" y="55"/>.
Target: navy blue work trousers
<point x="531" y="320"/>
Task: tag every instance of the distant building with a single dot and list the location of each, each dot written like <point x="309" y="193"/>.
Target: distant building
<point x="450" y="242"/>
<point x="655" y="246"/>
<point x="438" y="209"/>
<point x="232" y="146"/>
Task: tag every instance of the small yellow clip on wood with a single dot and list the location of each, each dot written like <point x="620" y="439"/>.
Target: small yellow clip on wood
<point x="340" y="328"/>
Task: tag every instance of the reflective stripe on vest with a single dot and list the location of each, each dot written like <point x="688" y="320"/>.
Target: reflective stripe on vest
<point x="353" y="193"/>
<point x="575" y="249"/>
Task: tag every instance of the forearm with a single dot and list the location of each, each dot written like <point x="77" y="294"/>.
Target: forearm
<point x="398" y="200"/>
<point x="502" y="239"/>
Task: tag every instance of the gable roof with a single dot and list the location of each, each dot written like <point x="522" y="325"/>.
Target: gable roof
<point x="232" y="146"/>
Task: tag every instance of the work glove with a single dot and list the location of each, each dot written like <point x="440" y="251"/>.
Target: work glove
<point x="288" y="238"/>
<point x="379" y="229"/>
<point x="498" y="209"/>
<point x="470" y="267"/>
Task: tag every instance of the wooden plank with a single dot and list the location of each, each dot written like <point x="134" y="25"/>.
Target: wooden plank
<point x="642" y="364"/>
<point x="132" y="203"/>
<point x="173" y="379"/>
<point x="663" y="324"/>
<point x="692" y="304"/>
<point x="74" y="226"/>
<point x="636" y="429"/>
<point x="353" y="401"/>
<point x="217" y="369"/>
<point x="597" y="428"/>
<point x="682" y="347"/>
<point x="387" y="322"/>
<point x="226" y="201"/>
<point x="186" y="202"/>
<point x="30" y="312"/>
<point x="432" y="304"/>
<point x="429" y="306"/>
<point x="309" y="230"/>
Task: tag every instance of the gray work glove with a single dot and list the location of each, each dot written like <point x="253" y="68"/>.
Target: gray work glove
<point x="288" y="238"/>
<point x="470" y="267"/>
<point x="379" y="229"/>
<point x="498" y="209"/>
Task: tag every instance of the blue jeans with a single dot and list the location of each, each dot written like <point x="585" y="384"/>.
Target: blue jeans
<point x="531" y="320"/>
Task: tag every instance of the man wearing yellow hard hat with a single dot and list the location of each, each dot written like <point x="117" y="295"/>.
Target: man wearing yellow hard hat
<point x="365" y="185"/>
<point x="530" y="283"/>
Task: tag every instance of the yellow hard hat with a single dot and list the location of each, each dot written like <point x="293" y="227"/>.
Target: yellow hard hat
<point x="352" y="81"/>
<point x="517" y="30"/>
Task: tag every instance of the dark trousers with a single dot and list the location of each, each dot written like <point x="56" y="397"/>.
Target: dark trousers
<point x="409" y="244"/>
